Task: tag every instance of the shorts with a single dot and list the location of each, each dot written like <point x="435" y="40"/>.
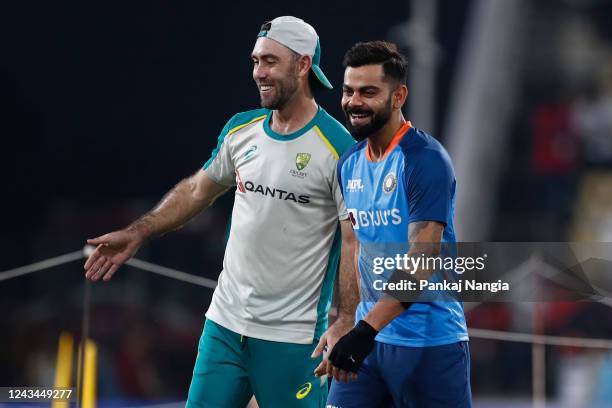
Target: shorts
<point x="231" y="368"/>
<point x="408" y="377"/>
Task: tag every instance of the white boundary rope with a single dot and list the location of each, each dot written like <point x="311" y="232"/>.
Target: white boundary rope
<point x="172" y="273"/>
<point x="38" y="266"/>
<point x="540" y="339"/>
<point x="211" y="284"/>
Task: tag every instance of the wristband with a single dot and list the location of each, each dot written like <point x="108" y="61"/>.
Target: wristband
<point x="350" y="351"/>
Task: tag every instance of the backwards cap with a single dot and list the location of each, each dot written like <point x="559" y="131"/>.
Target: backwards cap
<point x="299" y="36"/>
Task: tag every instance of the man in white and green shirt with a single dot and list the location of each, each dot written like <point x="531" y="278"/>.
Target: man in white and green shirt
<point x="270" y="307"/>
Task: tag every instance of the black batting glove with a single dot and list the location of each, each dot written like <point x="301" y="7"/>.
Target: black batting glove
<point x="350" y="351"/>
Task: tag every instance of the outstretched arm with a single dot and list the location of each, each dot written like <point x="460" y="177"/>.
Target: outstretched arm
<point x="179" y="205"/>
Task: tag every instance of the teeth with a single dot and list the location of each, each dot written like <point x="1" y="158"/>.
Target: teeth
<point x="359" y="116"/>
<point x="266" y="87"/>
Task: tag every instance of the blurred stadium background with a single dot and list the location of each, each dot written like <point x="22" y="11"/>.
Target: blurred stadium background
<point x="105" y="105"/>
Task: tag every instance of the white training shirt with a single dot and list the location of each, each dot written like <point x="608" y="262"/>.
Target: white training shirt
<point x="284" y="243"/>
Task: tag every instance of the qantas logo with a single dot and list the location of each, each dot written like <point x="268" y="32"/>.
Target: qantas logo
<point x="374" y="218"/>
<point x="273" y="192"/>
<point x="239" y="183"/>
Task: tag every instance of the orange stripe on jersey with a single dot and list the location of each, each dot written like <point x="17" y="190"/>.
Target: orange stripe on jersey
<point x="397" y="137"/>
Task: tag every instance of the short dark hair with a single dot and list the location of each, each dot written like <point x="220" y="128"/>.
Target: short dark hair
<point x="378" y="52"/>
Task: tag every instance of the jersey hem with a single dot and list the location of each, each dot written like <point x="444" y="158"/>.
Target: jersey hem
<point x="261" y="332"/>
<point x="381" y="338"/>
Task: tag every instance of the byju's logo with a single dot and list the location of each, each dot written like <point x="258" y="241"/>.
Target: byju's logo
<point x="352" y="213"/>
<point x="354" y="186"/>
<point x="374" y="218"/>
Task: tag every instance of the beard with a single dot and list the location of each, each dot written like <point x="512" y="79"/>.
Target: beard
<point x="284" y="91"/>
<point x="378" y="120"/>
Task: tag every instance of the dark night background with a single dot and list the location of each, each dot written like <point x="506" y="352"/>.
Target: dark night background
<point x="107" y="100"/>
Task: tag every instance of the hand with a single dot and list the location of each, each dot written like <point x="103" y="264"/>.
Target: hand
<point x="112" y="251"/>
<point x="353" y="348"/>
<point x="329" y="340"/>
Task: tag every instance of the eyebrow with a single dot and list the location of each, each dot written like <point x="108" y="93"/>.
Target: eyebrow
<point x="265" y="56"/>
<point x="362" y="89"/>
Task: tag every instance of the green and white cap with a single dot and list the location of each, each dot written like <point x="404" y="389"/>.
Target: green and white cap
<point x="299" y="36"/>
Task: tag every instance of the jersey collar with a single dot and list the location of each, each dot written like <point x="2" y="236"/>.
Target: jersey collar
<point x="397" y="137"/>
<point x="294" y="135"/>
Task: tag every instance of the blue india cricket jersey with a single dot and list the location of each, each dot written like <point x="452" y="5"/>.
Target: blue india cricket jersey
<point x="414" y="181"/>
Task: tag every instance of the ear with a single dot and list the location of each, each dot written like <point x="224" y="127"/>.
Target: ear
<point x="304" y="63"/>
<point x="399" y="96"/>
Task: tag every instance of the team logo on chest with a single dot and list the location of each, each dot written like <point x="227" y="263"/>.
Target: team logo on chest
<point x="389" y="182"/>
<point x="301" y="160"/>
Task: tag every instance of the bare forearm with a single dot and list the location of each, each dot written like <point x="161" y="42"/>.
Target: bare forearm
<point x="178" y="206"/>
<point x="425" y="238"/>
<point x="348" y="284"/>
<point x="388" y="308"/>
<point x="383" y="312"/>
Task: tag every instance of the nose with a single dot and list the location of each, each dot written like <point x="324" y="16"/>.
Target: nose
<point x="259" y="72"/>
<point x="353" y="101"/>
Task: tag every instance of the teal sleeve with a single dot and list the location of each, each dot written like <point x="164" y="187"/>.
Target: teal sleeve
<point x="228" y="126"/>
<point x="338" y="136"/>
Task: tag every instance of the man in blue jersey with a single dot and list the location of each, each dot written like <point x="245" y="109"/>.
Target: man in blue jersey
<point x="399" y="187"/>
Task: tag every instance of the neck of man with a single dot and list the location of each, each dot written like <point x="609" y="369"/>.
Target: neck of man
<point x="297" y="113"/>
<point x="380" y="140"/>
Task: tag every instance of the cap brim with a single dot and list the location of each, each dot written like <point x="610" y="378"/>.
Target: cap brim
<point x="321" y="77"/>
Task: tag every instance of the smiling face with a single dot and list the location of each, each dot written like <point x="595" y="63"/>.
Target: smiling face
<point x="275" y="71"/>
<point x="367" y="99"/>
